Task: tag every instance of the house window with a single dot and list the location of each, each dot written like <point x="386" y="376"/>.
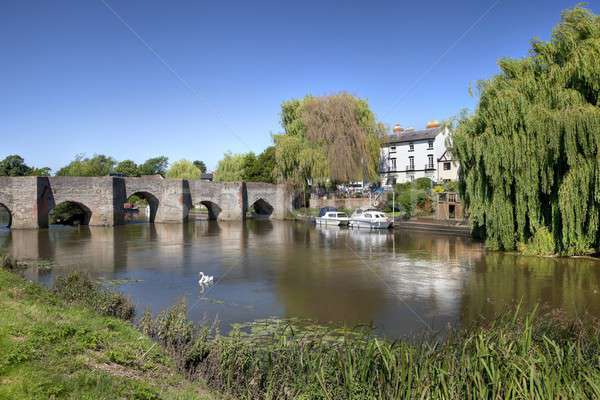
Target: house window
<point x="411" y="147"/>
<point x="411" y="177"/>
<point x="447" y="166"/>
<point x="393" y="164"/>
<point x="393" y="149"/>
<point x="430" y="161"/>
<point x="430" y="145"/>
<point x="411" y="162"/>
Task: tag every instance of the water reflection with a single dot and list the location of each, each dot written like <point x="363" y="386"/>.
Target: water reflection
<point x="397" y="281"/>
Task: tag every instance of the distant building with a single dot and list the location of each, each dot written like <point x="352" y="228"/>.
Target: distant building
<point x="409" y="154"/>
<point x="207" y="177"/>
<point x="447" y="168"/>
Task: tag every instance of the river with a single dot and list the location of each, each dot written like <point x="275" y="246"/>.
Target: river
<point x="401" y="282"/>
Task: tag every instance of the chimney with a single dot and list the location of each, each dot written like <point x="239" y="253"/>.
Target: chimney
<point x="433" y="124"/>
<point x="398" y="130"/>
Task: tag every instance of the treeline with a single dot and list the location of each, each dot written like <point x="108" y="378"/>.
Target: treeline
<point x="325" y="140"/>
<point x="102" y="165"/>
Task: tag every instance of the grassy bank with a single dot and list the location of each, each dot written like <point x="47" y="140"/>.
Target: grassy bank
<point x="68" y="344"/>
<point x="50" y="349"/>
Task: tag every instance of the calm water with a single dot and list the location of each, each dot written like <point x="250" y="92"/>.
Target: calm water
<point x="399" y="282"/>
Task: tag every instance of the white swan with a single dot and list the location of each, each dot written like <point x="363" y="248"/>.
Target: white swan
<point x="205" y="279"/>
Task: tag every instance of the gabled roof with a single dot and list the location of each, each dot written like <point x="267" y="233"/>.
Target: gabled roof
<point x="413" y="136"/>
<point x="447" y="156"/>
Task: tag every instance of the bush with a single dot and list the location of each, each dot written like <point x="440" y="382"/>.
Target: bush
<point x="423" y="183"/>
<point x="541" y="244"/>
<point x="78" y="288"/>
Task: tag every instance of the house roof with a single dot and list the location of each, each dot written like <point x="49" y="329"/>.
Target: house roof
<point x="413" y="136"/>
<point x="207" y="177"/>
<point x="447" y="156"/>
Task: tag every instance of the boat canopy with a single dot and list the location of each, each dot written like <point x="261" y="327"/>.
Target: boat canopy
<point x="325" y="210"/>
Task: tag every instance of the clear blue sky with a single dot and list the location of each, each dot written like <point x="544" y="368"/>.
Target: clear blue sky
<point x="74" y="79"/>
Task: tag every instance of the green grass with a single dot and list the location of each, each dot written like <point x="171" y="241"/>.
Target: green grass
<point x="53" y="350"/>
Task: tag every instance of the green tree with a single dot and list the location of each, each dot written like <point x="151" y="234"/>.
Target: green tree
<point x="44" y="171"/>
<point x="98" y="165"/>
<point x="183" y="169"/>
<point x="14" y="165"/>
<point x="200" y="165"/>
<point x="154" y="166"/>
<point x="230" y="168"/>
<point x="530" y="154"/>
<point x="127" y="168"/>
<point x="330" y="138"/>
<point x="259" y="168"/>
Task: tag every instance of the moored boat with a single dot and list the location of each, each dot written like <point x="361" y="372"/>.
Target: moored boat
<point x="370" y="219"/>
<point x="332" y="217"/>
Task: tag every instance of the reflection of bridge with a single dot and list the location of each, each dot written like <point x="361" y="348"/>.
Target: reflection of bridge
<point x="29" y="199"/>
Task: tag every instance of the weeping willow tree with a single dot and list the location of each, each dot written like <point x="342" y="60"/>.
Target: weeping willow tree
<point x="327" y="139"/>
<point x="530" y="154"/>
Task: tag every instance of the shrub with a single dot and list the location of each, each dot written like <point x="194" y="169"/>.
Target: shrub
<point x="541" y="244"/>
<point x="423" y="183"/>
<point x="79" y="288"/>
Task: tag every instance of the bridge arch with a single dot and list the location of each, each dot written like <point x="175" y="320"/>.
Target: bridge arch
<point x="70" y="213"/>
<point x="261" y="208"/>
<point x="152" y="201"/>
<point x="213" y="209"/>
<point x="5" y="216"/>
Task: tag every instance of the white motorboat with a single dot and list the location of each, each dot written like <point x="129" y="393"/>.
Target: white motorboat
<point x="333" y="218"/>
<point x="370" y="219"/>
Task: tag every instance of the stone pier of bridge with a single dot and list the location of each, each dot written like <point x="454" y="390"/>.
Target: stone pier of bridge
<point x="29" y="200"/>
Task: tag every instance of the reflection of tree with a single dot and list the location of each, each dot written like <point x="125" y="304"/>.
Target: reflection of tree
<point x="317" y="281"/>
<point x="500" y="280"/>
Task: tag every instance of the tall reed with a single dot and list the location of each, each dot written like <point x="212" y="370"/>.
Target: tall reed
<point x="524" y="356"/>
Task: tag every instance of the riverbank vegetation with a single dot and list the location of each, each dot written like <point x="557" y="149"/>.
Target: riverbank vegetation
<point x="530" y="154"/>
<point x="520" y="356"/>
<point x="51" y="348"/>
<point x="61" y="344"/>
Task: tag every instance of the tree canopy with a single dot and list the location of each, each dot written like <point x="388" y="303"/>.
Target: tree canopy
<point x="154" y="166"/>
<point x="200" y="165"/>
<point x="183" y="169"/>
<point x="230" y="168"/>
<point x="530" y="154"/>
<point x="127" y="168"/>
<point x="98" y="165"/>
<point x="329" y="138"/>
<point x="259" y="168"/>
<point x="14" y="165"/>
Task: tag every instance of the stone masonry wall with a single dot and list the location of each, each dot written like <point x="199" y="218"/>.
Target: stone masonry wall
<point x="29" y="199"/>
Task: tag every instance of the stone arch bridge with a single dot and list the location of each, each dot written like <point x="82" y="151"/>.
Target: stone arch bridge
<point x="30" y="199"/>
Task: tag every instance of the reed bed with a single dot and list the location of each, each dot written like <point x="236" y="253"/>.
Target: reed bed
<point x="521" y="356"/>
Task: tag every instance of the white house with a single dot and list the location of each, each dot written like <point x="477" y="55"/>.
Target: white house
<point x="409" y="154"/>
<point x="447" y="168"/>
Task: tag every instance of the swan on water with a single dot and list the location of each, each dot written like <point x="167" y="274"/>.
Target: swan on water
<point x="205" y="279"/>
